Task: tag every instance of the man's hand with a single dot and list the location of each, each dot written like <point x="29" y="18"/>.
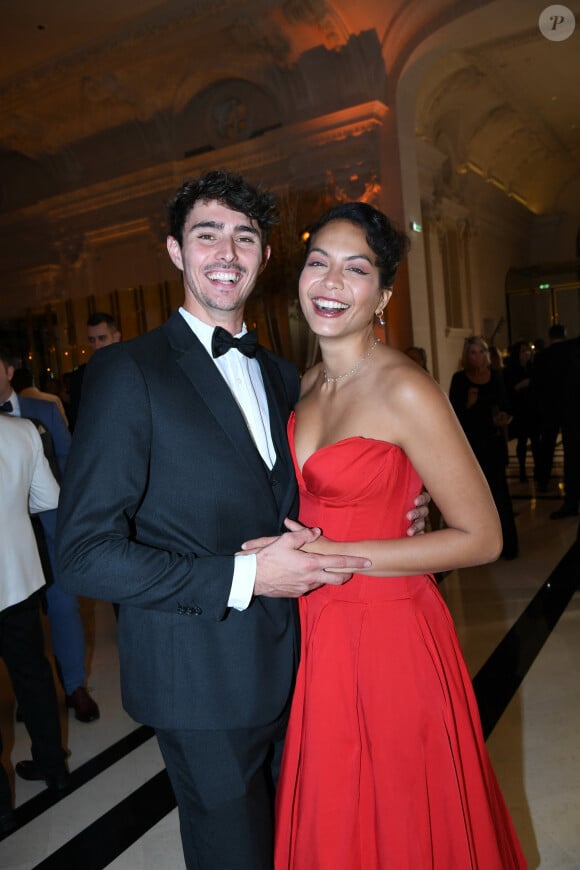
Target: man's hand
<point x="419" y="514"/>
<point x="285" y="571"/>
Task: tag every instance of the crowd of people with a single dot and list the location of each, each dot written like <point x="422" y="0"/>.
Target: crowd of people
<point x="253" y="501"/>
<point x="529" y="398"/>
<point x="30" y="581"/>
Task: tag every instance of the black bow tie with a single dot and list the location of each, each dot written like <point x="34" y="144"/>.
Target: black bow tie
<point x="6" y="407"/>
<point x="222" y="341"/>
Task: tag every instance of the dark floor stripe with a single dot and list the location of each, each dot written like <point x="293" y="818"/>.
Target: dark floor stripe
<point x="501" y="675"/>
<point x="495" y="684"/>
<point x="104" y="840"/>
<point x="83" y="774"/>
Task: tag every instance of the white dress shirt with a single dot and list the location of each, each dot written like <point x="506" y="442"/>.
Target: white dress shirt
<point x="244" y="378"/>
<point x="26" y="485"/>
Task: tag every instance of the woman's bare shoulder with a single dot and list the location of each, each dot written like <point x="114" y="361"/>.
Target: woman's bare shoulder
<point x="398" y="370"/>
<point x="406" y="384"/>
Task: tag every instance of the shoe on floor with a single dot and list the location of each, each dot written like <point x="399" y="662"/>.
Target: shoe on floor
<point x="32" y="772"/>
<point x="81" y="702"/>
<point x="565" y="511"/>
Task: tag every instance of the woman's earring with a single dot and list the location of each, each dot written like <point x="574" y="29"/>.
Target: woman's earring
<point x="380" y="318"/>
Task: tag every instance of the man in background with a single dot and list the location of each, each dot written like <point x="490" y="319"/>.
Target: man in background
<point x="66" y="628"/>
<point x="561" y="369"/>
<point x="23" y="383"/>
<point x="102" y="330"/>
<point x="27" y="485"/>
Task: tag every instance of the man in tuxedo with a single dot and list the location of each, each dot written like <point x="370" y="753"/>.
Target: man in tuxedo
<point x="154" y="511"/>
<point x="27" y="484"/>
<point x="66" y="628"/>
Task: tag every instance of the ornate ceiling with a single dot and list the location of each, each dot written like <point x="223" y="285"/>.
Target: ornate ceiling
<point x="508" y="109"/>
<point x="88" y="89"/>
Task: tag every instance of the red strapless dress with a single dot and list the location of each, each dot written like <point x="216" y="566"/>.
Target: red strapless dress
<point x="384" y="765"/>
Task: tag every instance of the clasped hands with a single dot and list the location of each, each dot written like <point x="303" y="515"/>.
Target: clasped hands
<point x="288" y="565"/>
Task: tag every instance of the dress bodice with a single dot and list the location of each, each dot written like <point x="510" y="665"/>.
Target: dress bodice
<point x="358" y="489"/>
<point x="373" y="479"/>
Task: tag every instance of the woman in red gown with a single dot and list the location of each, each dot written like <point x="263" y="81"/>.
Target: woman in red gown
<point x="384" y="764"/>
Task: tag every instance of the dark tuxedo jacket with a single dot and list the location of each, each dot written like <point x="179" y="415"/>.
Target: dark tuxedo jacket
<point x="163" y="484"/>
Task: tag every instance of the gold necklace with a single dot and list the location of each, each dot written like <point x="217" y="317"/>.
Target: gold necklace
<point x="328" y="379"/>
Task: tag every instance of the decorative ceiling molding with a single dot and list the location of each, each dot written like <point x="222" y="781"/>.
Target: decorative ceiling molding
<point x="523" y="144"/>
<point x="116" y="232"/>
<point x="274" y="147"/>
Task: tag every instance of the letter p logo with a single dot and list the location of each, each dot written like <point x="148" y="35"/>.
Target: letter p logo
<point x="557" y="23"/>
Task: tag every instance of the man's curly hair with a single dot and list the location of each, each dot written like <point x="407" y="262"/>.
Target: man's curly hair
<point x="228" y="188"/>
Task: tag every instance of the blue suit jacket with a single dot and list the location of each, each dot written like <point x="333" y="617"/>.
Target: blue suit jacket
<point x="48" y="414"/>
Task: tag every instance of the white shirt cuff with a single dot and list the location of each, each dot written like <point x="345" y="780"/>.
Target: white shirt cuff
<point x="245" y="567"/>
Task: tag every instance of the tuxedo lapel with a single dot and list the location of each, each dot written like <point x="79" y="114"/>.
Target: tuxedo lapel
<point x="279" y="409"/>
<point x="205" y="379"/>
<point x="277" y="404"/>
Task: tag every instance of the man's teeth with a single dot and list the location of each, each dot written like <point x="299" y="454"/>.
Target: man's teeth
<point x="223" y="277"/>
<point x="330" y="305"/>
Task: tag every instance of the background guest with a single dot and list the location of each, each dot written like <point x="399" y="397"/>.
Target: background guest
<point x="23" y="383"/>
<point x="564" y="366"/>
<point x="525" y="425"/>
<point x="27" y="484"/>
<point x="479" y="399"/>
<point x="66" y="628"/>
<point x="102" y="330"/>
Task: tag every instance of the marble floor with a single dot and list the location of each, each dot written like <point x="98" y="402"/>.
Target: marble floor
<point x="519" y="623"/>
